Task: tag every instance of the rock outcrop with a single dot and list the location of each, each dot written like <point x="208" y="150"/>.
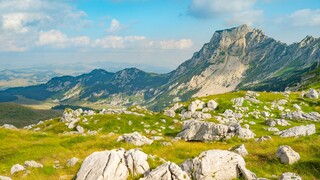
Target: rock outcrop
<point x="312" y="94"/>
<point x="135" y="138"/>
<point x="287" y="155"/>
<point x="167" y="171"/>
<point x="202" y="131"/>
<point x="114" y="164"/>
<point x="298" y="131"/>
<point x="219" y="165"/>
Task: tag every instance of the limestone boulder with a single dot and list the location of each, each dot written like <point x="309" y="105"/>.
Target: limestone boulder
<point x="167" y="171"/>
<point x="298" y="131"/>
<point x="113" y="164"/>
<point x="287" y="155"/>
<point x="202" y="131"/>
<point x="135" y="138"/>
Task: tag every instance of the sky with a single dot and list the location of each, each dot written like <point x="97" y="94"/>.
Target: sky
<point x="162" y="33"/>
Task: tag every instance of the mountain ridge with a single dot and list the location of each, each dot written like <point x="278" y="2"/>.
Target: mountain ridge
<point x="234" y="59"/>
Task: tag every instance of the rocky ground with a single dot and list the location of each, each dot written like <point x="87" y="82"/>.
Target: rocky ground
<point x="240" y="135"/>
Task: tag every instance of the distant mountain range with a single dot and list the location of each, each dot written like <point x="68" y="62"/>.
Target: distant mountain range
<point x="234" y="59"/>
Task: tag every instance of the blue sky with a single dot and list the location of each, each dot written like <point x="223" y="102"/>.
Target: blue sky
<point x="154" y="32"/>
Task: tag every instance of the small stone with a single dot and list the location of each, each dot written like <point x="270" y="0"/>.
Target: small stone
<point x="17" y="168"/>
<point x="287" y="155"/>
<point x="33" y="164"/>
<point x="290" y="176"/>
<point x="72" y="162"/>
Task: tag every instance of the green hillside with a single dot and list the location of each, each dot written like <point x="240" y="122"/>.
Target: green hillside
<point x="20" y="116"/>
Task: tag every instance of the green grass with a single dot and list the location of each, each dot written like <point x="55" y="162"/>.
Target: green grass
<point x="18" y="115"/>
<point x="51" y="144"/>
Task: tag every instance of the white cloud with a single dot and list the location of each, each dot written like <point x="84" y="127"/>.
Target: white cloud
<point x="304" y="17"/>
<point x="246" y="17"/>
<point x="176" y="44"/>
<point x="212" y="8"/>
<point x="115" y="26"/>
<point x="21" y="21"/>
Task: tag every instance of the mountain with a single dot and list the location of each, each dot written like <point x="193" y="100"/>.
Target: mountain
<point x="234" y="59"/>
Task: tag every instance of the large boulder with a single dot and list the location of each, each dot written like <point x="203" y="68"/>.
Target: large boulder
<point x="290" y="176"/>
<point x="202" y="131"/>
<point x="167" y="171"/>
<point x="135" y="138"/>
<point x="17" y="168"/>
<point x="287" y="155"/>
<point x="219" y="165"/>
<point x="298" y="131"/>
<point x="312" y="94"/>
<point x="114" y="164"/>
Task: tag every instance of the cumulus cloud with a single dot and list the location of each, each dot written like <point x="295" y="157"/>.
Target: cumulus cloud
<point x="246" y="17"/>
<point x="176" y="44"/>
<point x="115" y="26"/>
<point x="213" y="8"/>
<point x="304" y="17"/>
<point x="21" y="21"/>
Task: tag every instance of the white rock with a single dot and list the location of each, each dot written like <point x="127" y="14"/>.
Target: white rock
<point x="170" y="113"/>
<point x="135" y="138"/>
<point x="212" y="105"/>
<point x="241" y="150"/>
<point x="33" y="164"/>
<point x="167" y="171"/>
<point x="9" y="126"/>
<point x="245" y="133"/>
<point x="265" y="114"/>
<point x="298" y="131"/>
<point x="72" y="162"/>
<point x="219" y="164"/>
<point x="80" y="129"/>
<point x="296" y="106"/>
<point x="290" y="176"/>
<point x="238" y="101"/>
<point x="114" y="164"/>
<point x="312" y="94"/>
<point x="202" y="131"/>
<point x="5" y="178"/>
<point x="17" y="168"/>
<point x="287" y="155"/>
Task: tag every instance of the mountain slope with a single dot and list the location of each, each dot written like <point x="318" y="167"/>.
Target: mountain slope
<point x="234" y="59"/>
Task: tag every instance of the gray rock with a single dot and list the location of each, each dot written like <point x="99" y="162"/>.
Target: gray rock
<point x="265" y="114"/>
<point x="298" y="131"/>
<point x="167" y="171"/>
<point x="33" y="164"/>
<point x="72" y="162"/>
<point x="5" y="178"/>
<point x="170" y="113"/>
<point x="114" y="164"/>
<point x="214" y="164"/>
<point x="274" y="122"/>
<point x="296" y="106"/>
<point x="187" y="166"/>
<point x="290" y="176"/>
<point x="135" y="138"/>
<point x="263" y="138"/>
<point x="196" y="105"/>
<point x="17" y="168"/>
<point x="312" y="94"/>
<point x="202" y="131"/>
<point x="273" y="129"/>
<point x="241" y="150"/>
<point x="212" y="105"/>
<point x="287" y="155"/>
<point x="245" y="133"/>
